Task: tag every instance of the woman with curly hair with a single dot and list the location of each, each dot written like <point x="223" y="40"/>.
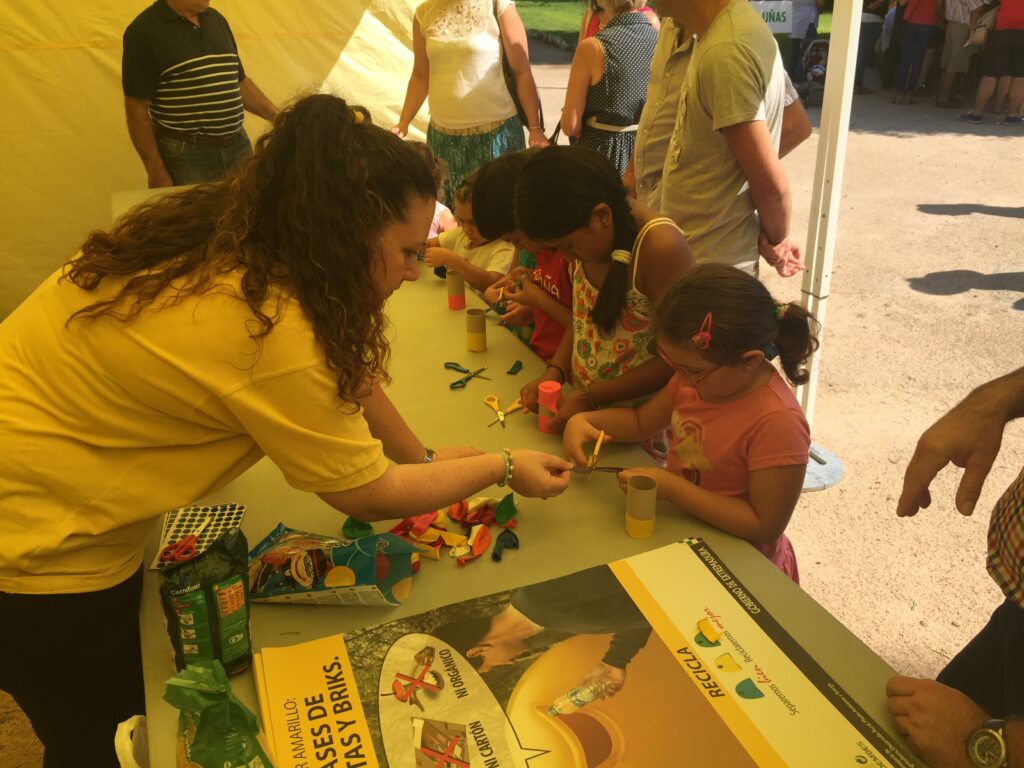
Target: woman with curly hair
<point x="206" y="329"/>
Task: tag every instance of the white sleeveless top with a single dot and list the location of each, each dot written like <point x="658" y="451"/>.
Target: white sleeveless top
<point x="467" y="87"/>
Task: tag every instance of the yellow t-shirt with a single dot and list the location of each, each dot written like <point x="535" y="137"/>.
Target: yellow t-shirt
<point x="104" y="425"/>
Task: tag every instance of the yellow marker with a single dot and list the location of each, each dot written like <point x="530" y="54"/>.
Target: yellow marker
<point x="597" y="449"/>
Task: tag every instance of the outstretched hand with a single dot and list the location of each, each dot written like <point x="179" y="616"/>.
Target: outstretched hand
<point x="969" y="436"/>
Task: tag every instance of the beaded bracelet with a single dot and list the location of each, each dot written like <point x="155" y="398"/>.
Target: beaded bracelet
<point x="506" y="456"/>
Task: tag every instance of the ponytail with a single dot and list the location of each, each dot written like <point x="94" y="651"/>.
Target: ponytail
<point x="557" y="191"/>
<point x="744" y="318"/>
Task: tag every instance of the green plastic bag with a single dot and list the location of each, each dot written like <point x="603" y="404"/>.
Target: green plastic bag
<point x="215" y="730"/>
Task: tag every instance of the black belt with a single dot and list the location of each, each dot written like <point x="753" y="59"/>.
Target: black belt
<point x="201" y="139"/>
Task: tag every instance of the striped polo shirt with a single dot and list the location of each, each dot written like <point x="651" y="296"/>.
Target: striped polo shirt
<point x="190" y="75"/>
<point x="1006" y="542"/>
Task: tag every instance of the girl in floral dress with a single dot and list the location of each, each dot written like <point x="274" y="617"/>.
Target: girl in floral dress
<point x="621" y="258"/>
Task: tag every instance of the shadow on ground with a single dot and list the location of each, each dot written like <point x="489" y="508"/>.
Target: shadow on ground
<point x="957" y="281"/>
<point x="966" y="209"/>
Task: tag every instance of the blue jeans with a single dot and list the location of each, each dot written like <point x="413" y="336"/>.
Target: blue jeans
<point x="916" y="39"/>
<point x="869" y="34"/>
<point x="190" y="163"/>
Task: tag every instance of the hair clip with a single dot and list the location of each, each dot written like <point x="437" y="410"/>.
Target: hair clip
<point x="357" y="117"/>
<point x="779" y="309"/>
<point x="770" y="351"/>
<point x="702" y="338"/>
<point x="622" y="256"/>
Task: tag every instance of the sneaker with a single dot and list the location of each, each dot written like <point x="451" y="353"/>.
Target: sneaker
<point x="1012" y="120"/>
<point x="970" y="117"/>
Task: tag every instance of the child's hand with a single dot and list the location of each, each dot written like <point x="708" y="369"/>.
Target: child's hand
<point x="660" y="476"/>
<point x="517" y="315"/>
<point x="571" y="405"/>
<point x="528" y="394"/>
<point x="528" y="294"/>
<point x="578" y="432"/>
<point x="438" y="257"/>
<point x="494" y="293"/>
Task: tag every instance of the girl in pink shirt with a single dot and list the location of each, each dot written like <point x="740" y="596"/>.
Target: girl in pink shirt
<point x="739" y="440"/>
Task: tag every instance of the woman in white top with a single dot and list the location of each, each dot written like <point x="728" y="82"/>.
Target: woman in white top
<point x="457" y="49"/>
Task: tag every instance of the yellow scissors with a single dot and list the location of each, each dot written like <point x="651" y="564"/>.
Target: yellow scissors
<point x="492" y="402"/>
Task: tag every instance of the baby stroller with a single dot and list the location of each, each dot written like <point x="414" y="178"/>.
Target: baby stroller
<point x="815" y="62"/>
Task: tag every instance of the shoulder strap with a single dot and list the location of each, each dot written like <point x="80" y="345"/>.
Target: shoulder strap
<point x="656" y="221"/>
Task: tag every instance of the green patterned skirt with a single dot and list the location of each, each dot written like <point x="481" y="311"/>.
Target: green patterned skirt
<point x="464" y="151"/>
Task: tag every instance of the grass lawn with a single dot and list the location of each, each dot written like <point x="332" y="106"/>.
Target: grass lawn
<point x="561" y="18"/>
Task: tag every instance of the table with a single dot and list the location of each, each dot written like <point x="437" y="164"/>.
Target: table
<point x="581" y="528"/>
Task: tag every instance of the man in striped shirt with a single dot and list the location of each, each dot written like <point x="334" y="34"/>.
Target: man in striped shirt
<point x="976" y="708"/>
<point x="186" y="92"/>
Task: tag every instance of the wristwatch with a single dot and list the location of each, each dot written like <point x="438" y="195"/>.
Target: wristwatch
<point x="987" y="746"/>
<point x="429" y="454"/>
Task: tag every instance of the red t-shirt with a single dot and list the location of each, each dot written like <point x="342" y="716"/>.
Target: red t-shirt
<point x="1010" y="15"/>
<point x="922" y="12"/>
<point x="551" y="274"/>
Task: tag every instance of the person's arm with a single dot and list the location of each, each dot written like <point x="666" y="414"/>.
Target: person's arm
<point x="477" y="277"/>
<point x="557" y="370"/>
<point x="796" y="127"/>
<point x="419" y="81"/>
<point x="969" y="436"/>
<point x="533" y="295"/>
<point x="621" y="425"/>
<point x="629" y="175"/>
<point x="517" y="53"/>
<point x="406" y="490"/>
<point x="143" y="136"/>
<point x="587" y="62"/>
<point x="751" y="145"/>
<point x="400" y="443"/>
<point x="1014" y="732"/>
<point x="255" y="101"/>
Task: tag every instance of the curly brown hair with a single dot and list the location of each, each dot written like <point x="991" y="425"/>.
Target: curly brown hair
<point x="302" y="217"/>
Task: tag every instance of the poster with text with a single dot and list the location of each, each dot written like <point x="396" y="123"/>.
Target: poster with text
<point x="661" y="659"/>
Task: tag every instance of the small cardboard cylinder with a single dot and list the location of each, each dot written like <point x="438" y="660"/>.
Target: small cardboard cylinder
<point x="549" y="397"/>
<point x="641" y="503"/>
<point x="476" y="330"/>
<point x="456" y="283"/>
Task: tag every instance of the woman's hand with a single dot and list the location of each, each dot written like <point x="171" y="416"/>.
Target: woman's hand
<point x="438" y="257"/>
<point x="456" y="452"/>
<point x="537" y="137"/>
<point x="400" y="130"/>
<point x="539" y="475"/>
<point x="578" y="432"/>
<point x="571" y="405"/>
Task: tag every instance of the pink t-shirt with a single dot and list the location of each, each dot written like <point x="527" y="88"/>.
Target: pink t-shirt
<point x="718" y="445"/>
<point x="551" y="274"/>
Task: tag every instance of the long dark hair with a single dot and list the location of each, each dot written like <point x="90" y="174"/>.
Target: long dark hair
<point x="744" y="317"/>
<point x="494" y="211"/>
<point x="303" y="216"/>
<point x="557" y="191"/>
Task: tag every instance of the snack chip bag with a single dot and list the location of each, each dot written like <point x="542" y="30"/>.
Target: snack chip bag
<point x="297" y="567"/>
<point x="206" y="607"/>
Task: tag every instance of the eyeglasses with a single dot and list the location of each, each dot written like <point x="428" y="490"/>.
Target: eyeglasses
<point x="690" y="378"/>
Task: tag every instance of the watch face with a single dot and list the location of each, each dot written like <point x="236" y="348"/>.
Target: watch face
<point x="986" y="749"/>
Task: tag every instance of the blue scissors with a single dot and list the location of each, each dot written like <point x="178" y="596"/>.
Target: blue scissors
<point x="461" y="383"/>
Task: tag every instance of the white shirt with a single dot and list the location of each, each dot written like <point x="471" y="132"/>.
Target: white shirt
<point x="467" y="85"/>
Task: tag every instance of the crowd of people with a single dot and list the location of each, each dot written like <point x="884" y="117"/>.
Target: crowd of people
<point x="244" y="316"/>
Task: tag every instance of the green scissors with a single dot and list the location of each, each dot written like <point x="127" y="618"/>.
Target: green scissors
<point x="461" y="383"/>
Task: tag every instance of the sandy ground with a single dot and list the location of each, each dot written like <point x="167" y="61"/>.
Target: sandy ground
<point x="927" y="301"/>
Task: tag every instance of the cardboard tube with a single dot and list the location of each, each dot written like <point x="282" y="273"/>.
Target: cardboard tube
<point x="456" y="283"/>
<point x="549" y="396"/>
<point x="641" y="503"/>
<point x="476" y="330"/>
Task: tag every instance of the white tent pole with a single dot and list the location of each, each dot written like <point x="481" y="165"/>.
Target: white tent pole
<point x="828" y="174"/>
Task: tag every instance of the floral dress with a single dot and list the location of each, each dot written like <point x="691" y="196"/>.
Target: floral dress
<point x="600" y="356"/>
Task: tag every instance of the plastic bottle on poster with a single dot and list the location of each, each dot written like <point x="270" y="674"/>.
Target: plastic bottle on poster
<point x="549" y="397"/>
<point x="576" y="699"/>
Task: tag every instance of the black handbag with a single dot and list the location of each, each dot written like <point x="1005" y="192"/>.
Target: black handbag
<point x="510" y="80"/>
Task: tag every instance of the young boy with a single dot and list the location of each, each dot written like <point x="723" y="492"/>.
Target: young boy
<point x="481" y="261"/>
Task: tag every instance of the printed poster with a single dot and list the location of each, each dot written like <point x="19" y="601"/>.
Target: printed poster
<point x="777" y="14"/>
<point x="612" y="666"/>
